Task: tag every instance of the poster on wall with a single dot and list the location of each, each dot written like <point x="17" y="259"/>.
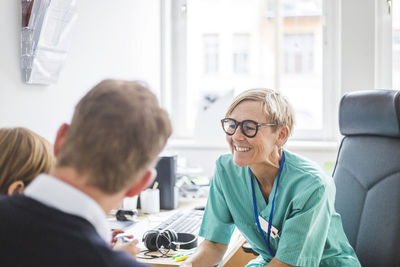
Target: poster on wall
<point x="44" y="43"/>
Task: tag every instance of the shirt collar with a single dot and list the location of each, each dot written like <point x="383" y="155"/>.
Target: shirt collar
<point x="57" y="194"/>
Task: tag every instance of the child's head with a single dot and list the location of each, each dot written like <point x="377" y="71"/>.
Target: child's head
<point x="23" y="155"/>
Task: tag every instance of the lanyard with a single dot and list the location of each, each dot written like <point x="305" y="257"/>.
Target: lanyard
<point x="266" y="240"/>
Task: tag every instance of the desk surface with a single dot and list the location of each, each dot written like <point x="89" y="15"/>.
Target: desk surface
<point x="147" y="222"/>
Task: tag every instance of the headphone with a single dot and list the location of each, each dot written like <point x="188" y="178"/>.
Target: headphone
<point x="168" y="239"/>
<point x="125" y="215"/>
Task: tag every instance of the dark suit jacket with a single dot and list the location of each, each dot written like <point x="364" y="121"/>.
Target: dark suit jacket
<point x="33" y="234"/>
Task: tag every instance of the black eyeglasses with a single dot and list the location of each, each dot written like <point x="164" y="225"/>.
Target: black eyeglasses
<point x="249" y="127"/>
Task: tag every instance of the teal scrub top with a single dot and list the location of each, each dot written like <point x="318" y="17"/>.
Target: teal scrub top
<point x="310" y="231"/>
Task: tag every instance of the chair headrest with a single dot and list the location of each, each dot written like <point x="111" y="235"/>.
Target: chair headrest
<point x="371" y="112"/>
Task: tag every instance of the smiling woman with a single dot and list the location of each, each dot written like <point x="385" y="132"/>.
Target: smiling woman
<point x="260" y="147"/>
<point x="267" y="108"/>
<point x="293" y="221"/>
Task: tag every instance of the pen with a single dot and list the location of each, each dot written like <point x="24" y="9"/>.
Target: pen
<point x="184" y="253"/>
<point x="181" y="258"/>
<point x="187" y="253"/>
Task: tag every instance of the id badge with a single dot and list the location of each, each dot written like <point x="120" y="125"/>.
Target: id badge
<point x="264" y="226"/>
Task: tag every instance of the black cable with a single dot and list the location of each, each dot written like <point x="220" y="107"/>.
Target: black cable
<point x="149" y="257"/>
<point x="164" y="252"/>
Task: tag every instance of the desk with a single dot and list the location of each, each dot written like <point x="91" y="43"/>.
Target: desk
<point x="234" y="256"/>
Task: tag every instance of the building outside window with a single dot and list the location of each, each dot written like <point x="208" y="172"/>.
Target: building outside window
<point x="299" y="53"/>
<point x="211" y="58"/>
<point x="278" y="44"/>
<point x="241" y="50"/>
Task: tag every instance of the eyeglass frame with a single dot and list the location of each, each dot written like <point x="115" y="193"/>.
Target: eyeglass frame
<point x="237" y="124"/>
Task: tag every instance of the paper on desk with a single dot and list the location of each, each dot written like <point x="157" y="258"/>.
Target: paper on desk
<point x="235" y="243"/>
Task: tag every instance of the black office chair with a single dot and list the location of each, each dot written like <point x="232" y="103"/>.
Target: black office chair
<point x="367" y="175"/>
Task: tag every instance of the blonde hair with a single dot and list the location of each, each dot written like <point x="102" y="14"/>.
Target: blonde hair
<point x="276" y="107"/>
<point x="23" y="155"/>
<point x="117" y="130"/>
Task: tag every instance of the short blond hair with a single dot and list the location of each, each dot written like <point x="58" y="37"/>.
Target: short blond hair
<point x="23" y="156"/>
<point x="117" y="131"/>
<point x="276" y="107"/>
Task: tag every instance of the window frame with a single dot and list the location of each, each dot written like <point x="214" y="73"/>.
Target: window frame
<point x="173" y="69"/>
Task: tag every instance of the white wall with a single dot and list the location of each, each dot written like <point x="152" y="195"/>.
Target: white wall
<point x="118" y="39"/>
<point x="365" y="45"/>
<point x="357" y="35"/>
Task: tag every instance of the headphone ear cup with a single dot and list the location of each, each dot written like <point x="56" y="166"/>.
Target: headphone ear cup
<point x="149" y="240"/>
<point x="168" y="239"/>
<point x="165" y="238"/>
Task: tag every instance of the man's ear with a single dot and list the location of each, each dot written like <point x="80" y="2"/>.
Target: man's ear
<point x="60" y="138"/>
<point x="16" y="187"/>
<point x="283" y="135"/>
<point x="144" y="182"/>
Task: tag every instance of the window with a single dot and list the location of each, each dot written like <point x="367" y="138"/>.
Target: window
<point x="210" y="42"/>
<point x="241" y="47"/>
<point x="299" y="53"/>
<point x="237" y="45"/>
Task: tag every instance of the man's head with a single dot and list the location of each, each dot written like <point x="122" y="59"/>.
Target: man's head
<point x="117" y="131"/>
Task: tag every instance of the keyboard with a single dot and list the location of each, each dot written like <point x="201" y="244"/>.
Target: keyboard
<point x="183" y="222"/>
